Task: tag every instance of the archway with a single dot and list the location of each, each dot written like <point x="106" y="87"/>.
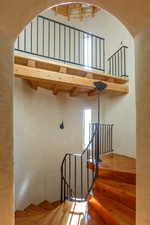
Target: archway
<point x="20" y="13"/>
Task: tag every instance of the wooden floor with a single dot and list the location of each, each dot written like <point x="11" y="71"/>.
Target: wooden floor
<point x="119" y="162"/>
<point x="111" y="202"/>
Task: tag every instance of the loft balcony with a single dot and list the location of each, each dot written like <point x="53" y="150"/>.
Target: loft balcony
<point x="62" y="58"/>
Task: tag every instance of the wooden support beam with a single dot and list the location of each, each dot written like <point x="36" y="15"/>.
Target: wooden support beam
<point x="57" y="78"/>
<point x="56" y="90"/>
<point x="74" y="92"/>
<point x="68" y="12"/>
<point x="63" y="69"/>
<point x="71" y="70"/>
<point x="92" y="93"/>
<point x="89" y="75"/>
<point x="41" y="75"/>
<point x="31" y="63"/>
<point x="32" y="84"/>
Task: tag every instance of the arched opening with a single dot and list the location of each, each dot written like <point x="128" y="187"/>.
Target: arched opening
<point x="63" y="105"/>
<point x="21" y="14"/>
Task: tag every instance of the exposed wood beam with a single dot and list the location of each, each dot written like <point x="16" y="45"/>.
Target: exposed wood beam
<point x="63" y="69"/>
<point x="41" y="75"/>
<point x="68" y="12"/>
<point x="32" y="84"/>
<point x="56" y="89"/>
<point x="89" y="75"/>
<point x="71" y="70"/>
<point x="57" y="78"/>
<point x="92" y="93"/>
<point x="31" y="63"/>
<point x="74" y="92"/>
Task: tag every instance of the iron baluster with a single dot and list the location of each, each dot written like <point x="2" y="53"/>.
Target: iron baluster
<point x="117" y="62"/>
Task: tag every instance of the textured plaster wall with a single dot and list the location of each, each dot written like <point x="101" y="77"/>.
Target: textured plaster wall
<point x="143" y="126"/>
<point x="6" y="131"/>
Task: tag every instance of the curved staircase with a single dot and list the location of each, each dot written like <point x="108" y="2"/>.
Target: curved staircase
<point x="111" y="202"/>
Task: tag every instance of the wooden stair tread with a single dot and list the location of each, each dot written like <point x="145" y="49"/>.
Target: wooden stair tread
<point x="34" y="210"/>
<point x="29" y="219"/>
<point x="44" y="218"/>
<point x="102" y="211"/>
<point x="118" y="162"/>
<point x="94" y="218"/>
<point x="20" y="213"/>
<point x="56" y="216"/>
<point x="125" y="177"/>
<point x="114" y="168"/>
<point x="115" y="193"/>
<point x="46" y="205"/>
<point x="56" y="203"/>
<point x="121" y="213"/>
<point x="72" y="213"/>
<point x="63" y="214"/>
<point x="47" y="220"/>
<point x="122" y="186"/>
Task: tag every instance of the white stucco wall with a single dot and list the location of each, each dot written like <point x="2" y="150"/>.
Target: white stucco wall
<point x="39" y="142"/>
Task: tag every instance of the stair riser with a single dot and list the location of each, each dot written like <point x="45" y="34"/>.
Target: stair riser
<point x="129" y="178"/>
<point x="102" y="212"/>
<point x="95" y="217"/>
<point x="127" y="200"/>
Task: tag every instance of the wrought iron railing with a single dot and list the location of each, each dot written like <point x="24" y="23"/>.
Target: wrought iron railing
<point x="51" y="39"/>
<point x="105" y="138"/>
<point x="117" y="63"/>
<point x="77" y="178"/>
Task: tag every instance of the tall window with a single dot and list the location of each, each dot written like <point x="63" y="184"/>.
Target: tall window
<point x="87" y="121"/>
<point x="87" y="51"/>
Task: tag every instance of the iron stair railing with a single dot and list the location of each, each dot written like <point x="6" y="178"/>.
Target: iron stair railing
<point x="45" y="37"/>
<point x="77" y="178"/>
<point x="118" y="62"/>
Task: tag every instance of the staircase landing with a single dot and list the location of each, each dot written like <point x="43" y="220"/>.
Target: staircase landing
<point x="118" y="162"/>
